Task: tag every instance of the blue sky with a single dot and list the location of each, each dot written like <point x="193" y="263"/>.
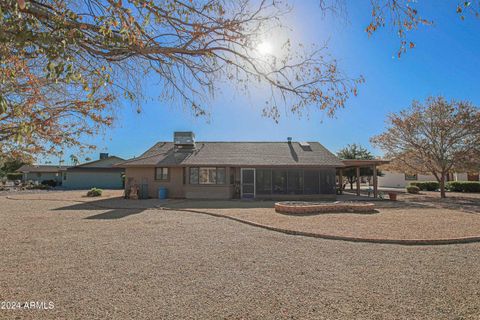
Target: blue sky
<point x="445" y="62"/>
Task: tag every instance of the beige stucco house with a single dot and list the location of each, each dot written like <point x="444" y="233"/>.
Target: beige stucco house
<point x="225" y="170"/>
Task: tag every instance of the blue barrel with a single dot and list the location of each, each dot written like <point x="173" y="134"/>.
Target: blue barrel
<point x="162" y="193"/>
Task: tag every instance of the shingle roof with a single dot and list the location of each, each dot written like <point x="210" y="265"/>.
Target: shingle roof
<point x="101" y="163"/>
<point x="237" y="154"/>
<point x="41" y="168"/>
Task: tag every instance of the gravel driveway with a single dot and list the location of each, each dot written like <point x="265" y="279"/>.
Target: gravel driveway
<point x="150" y="264"/>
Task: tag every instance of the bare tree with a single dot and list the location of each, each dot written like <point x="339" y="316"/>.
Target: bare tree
<point x="64" y="63"/>
<point x="69" y="61"/>
<point x="436" y="137"/>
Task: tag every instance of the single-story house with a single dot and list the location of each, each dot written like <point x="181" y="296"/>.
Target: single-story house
<point x="99" y="173"/>
<point x="225" y="170"/>
<point x="393" y="179"/>
<point x="42" y="173"/>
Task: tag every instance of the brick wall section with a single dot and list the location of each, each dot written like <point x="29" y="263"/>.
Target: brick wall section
<point x="292" y="208"/>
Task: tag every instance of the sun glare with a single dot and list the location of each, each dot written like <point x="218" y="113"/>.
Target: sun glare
<point x="265" y="48"/>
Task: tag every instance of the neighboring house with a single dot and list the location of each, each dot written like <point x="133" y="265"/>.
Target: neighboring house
<point x="100" y="174"/>
<point x="42" y="172"/>
<point x="225" y="170"/>
<point x="392" y="179"/>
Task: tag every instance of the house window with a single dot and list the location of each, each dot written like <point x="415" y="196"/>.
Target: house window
<point x="410" y="177"/>
<point x="193" y="175"/>
<point x="221" y="176"/>
<point x="39" y="175"/>
<point x="472" y="176"/>
<point x="207" y="175"/>
<point x="65" y="176"/>
<point x="161" y="174"/>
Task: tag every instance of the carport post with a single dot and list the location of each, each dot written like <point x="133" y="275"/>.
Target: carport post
<point x="340" y="180"/>
<point x="375" y="182"/>
<point x="358" y="181"/>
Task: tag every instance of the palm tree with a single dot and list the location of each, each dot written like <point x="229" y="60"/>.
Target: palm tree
<point x="74" y="159"/>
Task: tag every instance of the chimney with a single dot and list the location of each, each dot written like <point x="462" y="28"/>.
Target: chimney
<point x="103" y="155"/>
<point x="289" y="139"/>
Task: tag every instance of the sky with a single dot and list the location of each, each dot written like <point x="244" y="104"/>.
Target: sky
<point x="445" y="61"/>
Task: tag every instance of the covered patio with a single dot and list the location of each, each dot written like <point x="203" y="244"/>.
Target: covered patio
<point x="357" y="165"/>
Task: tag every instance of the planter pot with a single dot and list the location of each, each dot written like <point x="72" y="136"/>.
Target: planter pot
<point x="392" y="196"/>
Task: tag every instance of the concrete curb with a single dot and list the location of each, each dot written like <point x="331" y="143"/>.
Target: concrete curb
<point x="405" y="242"/>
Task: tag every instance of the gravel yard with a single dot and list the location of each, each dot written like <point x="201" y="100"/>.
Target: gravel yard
<point x="386" y="223"/>
<point x="98" y="263"/>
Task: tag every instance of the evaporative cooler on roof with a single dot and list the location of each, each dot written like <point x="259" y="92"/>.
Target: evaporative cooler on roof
<point x="184" y="139"/>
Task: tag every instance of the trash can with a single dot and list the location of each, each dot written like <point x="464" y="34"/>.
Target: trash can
<point x="162" y="193"/>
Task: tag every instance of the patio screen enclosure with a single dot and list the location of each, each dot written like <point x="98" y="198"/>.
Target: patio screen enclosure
<point x="294" y="181"/>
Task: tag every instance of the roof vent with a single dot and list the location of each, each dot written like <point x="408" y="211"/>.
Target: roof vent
<point x="289" y="139"/>
<point x="103" y="155"/>
<point x="184" y="139"/>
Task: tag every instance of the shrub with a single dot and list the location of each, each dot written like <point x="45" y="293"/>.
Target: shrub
<point x="413" y="189"/>
<point x="51" y="183"/>
<point x="426" y="185"/>
<point x="94" y="192"/>
<point x="14" y="176"/>
<point x="463" y="186"/>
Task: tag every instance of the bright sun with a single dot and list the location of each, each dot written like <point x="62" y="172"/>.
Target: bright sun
<point x="265" y="48"/>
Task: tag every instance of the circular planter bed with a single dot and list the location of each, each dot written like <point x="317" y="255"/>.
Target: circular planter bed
<point x="300" y="207"/>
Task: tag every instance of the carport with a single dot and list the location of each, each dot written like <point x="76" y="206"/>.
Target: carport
<point x="357" y="164"/>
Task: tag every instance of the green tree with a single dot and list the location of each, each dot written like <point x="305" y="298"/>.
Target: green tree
<point x="357" y="152"/>
<point x="74" y="159"/>
<point x="10" y="166"/>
